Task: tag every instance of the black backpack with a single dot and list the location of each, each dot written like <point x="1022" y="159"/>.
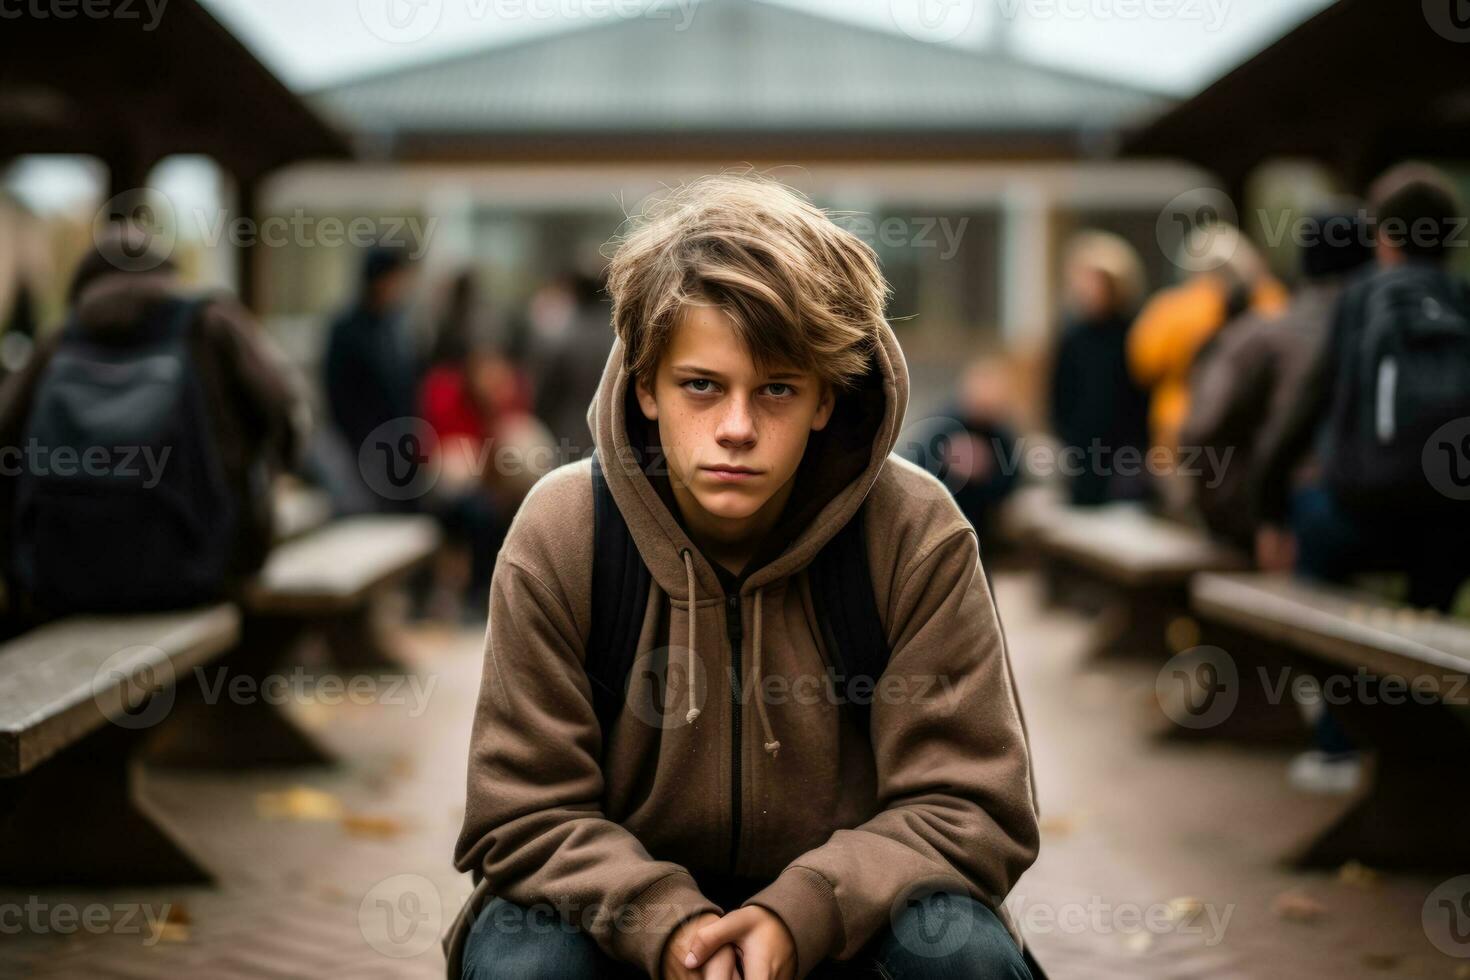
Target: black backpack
<point x="1405" y="375"/>
<point x="842" y="591"/>
<point x="150" y="521"/>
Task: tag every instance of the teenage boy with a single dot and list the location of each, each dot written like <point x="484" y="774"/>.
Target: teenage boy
<point x="747" y="414"/>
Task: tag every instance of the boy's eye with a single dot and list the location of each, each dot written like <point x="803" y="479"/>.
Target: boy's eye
<point x="786" y="389"/>
<point x="699" y="381"/>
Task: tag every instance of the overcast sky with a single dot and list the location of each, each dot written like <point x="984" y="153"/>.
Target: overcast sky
<point x="1176" y="46"/>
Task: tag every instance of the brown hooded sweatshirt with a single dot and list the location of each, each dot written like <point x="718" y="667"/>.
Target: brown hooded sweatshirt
<point x="841" y="827"/>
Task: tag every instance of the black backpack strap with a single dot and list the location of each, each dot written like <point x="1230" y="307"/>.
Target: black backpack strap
<point x="620" y="582"/>
<point x="847" y="610"/>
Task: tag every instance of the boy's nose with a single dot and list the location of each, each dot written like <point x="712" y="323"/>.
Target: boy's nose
<point x="738" y="423"/>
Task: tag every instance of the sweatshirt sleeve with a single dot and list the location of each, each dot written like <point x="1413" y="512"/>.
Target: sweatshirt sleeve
<point x="957" y="809"/>
<point x="533" y="824"/>
<point x="1271" y="487"/>
<point x="1230" y="388"/>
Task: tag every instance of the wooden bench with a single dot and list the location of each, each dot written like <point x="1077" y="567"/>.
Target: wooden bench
<point x="299" y="510"/>
<point x="76" y="697"/>
<point x="1401" y="679"/>
<point x="339" y="568"/>
<point x="325" y="582"/>
<point x="1136" y="566"/>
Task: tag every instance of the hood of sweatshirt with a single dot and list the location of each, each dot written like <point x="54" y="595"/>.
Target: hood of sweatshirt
<point x="839" y="467"/>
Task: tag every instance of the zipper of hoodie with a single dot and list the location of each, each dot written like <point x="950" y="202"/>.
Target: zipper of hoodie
<point x="735" y="628"/>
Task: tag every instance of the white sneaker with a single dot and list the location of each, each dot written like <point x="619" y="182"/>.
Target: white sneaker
<point x="1327" y="773"/>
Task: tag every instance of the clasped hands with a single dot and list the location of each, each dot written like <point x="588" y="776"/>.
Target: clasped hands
<point x="750" y="942"/>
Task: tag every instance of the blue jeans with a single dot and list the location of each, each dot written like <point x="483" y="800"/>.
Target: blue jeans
<point x="940" y="936"/>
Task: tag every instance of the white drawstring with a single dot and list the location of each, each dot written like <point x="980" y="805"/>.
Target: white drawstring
<point x="693" y="712"/>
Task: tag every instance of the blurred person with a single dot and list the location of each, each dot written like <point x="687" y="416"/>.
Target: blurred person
<point x="1395" y="369"/>
<point x="467" y="393"/>
<point x="147" y="428"/>
<point x="971" y="446"/>
<point x="1246" y="381"/>
<point x="1093" y="397"/>
<point x="569" y="364"/>
<point x="756" y="375"/>
<point x="1177" y="323"/>
<point x="370" y="366"/>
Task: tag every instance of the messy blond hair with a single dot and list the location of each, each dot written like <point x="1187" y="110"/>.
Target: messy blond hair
<point x="1112" y="256"/>
<point x="798" y="288"/>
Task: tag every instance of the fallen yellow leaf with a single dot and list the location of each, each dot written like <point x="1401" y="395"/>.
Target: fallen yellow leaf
<point x="363" y="825"/>
<point x="1184" y="909"/>
<point x="1298" y="907"/>
<point x="1357" y="875"/>
<point x="298" y="803"/>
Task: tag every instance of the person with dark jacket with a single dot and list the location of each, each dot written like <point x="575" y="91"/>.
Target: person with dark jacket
<point x="370" y="366"/>
<point x="1246" y="379"/>
<point x="256" y="418"/>
<point x="1093" y="396"/>
<point x="1313" y="527"/>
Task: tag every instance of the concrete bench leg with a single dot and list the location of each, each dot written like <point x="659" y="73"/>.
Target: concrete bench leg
<point x="226" y="715"/>
<point x="78" y="819"/>
<point x="1134" y="623"/>
<point x="1265" y="714"/>
<point x="1411" y="814"/>
<point x="1064" y="587"/>
<point x="356" y="643"/>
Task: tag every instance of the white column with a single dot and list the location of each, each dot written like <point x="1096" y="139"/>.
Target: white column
<point x="1027" y="305"/>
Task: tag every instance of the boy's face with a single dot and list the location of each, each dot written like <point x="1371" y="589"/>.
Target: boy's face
<point x="715" y="411"/>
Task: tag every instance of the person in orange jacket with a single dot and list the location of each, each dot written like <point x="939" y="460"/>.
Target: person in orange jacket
<point x="1177" y="323"/>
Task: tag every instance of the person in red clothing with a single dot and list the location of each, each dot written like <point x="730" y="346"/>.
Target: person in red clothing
<point x="468" y="395"/>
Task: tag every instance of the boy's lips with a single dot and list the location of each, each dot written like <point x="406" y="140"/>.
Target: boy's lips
<point x="730" y="474"/>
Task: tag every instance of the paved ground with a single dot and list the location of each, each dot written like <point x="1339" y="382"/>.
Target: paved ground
<point x="345" y="873"/>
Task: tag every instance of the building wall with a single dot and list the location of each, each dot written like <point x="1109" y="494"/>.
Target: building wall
<point x="972" y="250"/>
